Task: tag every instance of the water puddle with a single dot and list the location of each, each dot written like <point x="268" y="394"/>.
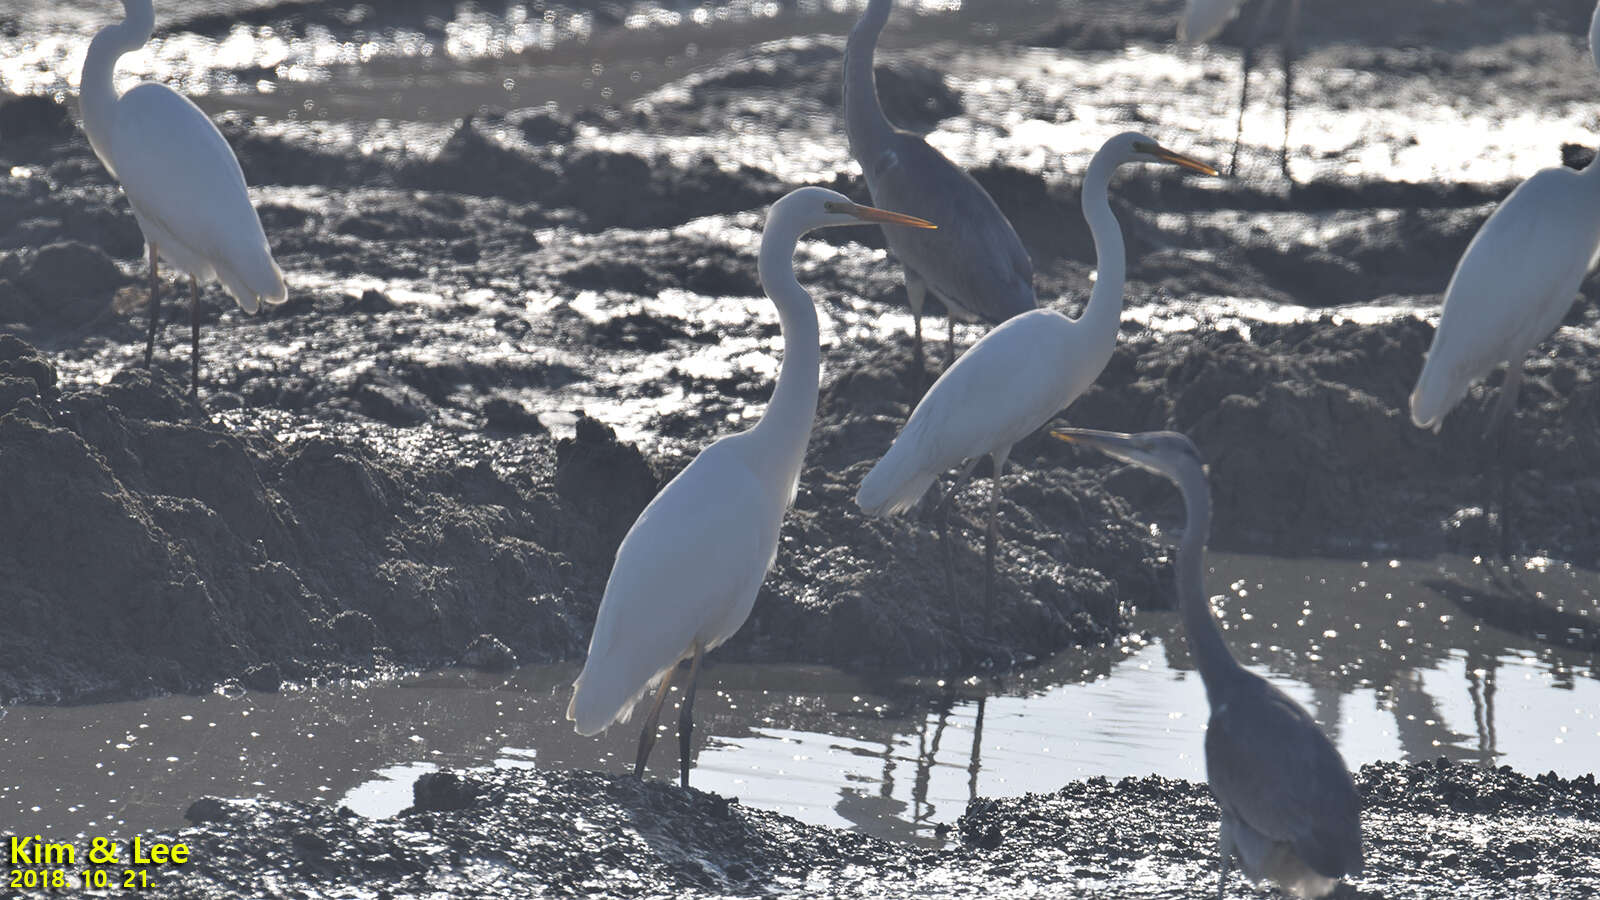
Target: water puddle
<point x="1395" y="658"/>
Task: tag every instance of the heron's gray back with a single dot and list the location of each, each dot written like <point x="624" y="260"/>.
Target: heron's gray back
<point x="1271" y="766"/>
<point x="974" y="260"/>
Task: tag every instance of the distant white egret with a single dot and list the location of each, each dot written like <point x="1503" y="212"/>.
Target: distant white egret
<point x="1513" y="285"/>
<point x="181" y="178"/>
<point x="1290" y="811"/>
<point x="1203" y="20"/>
<point x="1021" y="373"/>
<point x="688" y="570"/>
<point x="975" y="263"/>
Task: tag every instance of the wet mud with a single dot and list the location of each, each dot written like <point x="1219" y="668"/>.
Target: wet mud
<point x="417" y="459"/>
<point x="1431" y="830"/>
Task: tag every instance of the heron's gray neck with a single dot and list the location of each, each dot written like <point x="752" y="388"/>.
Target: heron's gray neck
<point x="1210" y="652"/>
<point x="785" y="426"/>
<point x="97" y="92"/>
<point x="1103" y="313"/>
<point x="865" y="125"/>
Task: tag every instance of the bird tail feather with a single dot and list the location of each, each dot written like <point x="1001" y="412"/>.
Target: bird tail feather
<point x="1435" y="394"/>
<point x="894" y="485"/>
<point x="607" y="695"/>
<point x="252" y="277"/>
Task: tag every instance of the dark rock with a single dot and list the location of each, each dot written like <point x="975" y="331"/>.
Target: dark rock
<point x="489" y="654"/>
<point x="502" y="414"/>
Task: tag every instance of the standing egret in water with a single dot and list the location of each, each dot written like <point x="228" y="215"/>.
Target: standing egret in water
<point x="1290" y="811"/>
<point x="974" y="263"/>
<point x="181" y="178"/>
<point x="1513" y="285"/>
<point x="1203" y="20"/>
<point x="1020" y="374"/>
<point x="688" y="570"/>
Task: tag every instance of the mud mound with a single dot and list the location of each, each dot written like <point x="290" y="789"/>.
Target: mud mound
<point x="1432" y="831"/>
<point x="216" y="552"/>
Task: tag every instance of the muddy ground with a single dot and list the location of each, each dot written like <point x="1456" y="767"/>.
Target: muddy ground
<point x="382" y="478"/>
<point x="1432" y="830"/>
<point x="416" y="461"/>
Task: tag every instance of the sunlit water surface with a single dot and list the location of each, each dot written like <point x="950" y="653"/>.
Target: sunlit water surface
<point x="1384" y="659"/>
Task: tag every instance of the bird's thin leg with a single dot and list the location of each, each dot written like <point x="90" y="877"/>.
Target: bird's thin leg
<point x="155" y="307"/>
<point x="1247" y="59"/>
<point x="941" y="514"/>
<point x="1291" y="33"/>
<point x="991" y="535"/>
<point x="942" y="509"/>
<point x="194" y="340"/>
<point x="950" y="338"/>
<point x="686" y="716"/>
<point x="647" y="737"/>
<point x="1501" y="423"/>
<point x="916" y="295"/>
<point x="1225" y="851"/>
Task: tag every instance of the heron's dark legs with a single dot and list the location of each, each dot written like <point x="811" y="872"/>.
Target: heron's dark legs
<point x="975" y="765"/>
<point x="1248" y="62"/>
<point x="1225" y="850"/>
<point x="1502" y="421"/>
<point x="647" y="737"/>
<point x="155" y="306"/>
<point x="950" y="339"/>
<point x="1291" y="34"/>
<point x="686" y="716"/>
<point x="941" y="512"/>
<point x="916" y="294"/>
<point x="991" y="535"/>
<point x="194" y="340"/>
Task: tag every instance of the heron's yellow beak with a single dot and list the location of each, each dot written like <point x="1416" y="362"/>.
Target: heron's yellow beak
<point x="1178" y="159"/>
<point x="881" y="216"/>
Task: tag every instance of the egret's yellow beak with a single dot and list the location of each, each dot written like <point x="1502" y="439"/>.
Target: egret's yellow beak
<point x="1178" y="159"/>
<point x="881" y="216"/>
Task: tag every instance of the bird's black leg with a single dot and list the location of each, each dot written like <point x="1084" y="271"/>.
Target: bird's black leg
<point x="991" y="535"/>
<point x="194" y="340"/>
<point x="1247" y="60"/>
<point x="155" y="306"/>
<point x="1502" y="422"/>
<point x="686" y="717"/>
<point x="941" y="514"/>
<point x="647" y="737"/>
<point x="1291" y="35"/>
<point x="950" y="338"/>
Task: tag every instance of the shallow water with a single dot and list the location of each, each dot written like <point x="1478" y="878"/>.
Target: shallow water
<point x="1391" y="666"/>
<point x="370" y="79"/>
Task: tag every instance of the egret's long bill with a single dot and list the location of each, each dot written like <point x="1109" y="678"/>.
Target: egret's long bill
<point x="873" y="214"/>
<point x="1108" y="442"/>
<point x="1176" y="158"/>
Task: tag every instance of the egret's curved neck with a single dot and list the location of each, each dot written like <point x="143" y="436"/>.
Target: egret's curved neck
<point x="785" y="427"/>
<point x="1210" y="652"/>
<point x="1103" y="314"/>
<point x="96" y="91"/>
<point x="864" y="122"/>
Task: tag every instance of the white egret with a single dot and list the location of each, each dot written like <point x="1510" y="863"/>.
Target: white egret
<point x="1203" y="20"/>
<point x="1513" y="285"/>
<point x="687" y="573"/>
<point x="1022" y="373"/>
<point x="975" y="263"/>
<point x="181" y="178"/>
<point x="1290" y="811"/>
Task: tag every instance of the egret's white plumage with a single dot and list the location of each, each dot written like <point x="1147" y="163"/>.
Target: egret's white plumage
<point x="1024" y="371"/>
<point x="181" y="177"/>
<point x="687" y="573"/>
<point x="1513" y="285"/>
<point x="1204" y="19"/>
